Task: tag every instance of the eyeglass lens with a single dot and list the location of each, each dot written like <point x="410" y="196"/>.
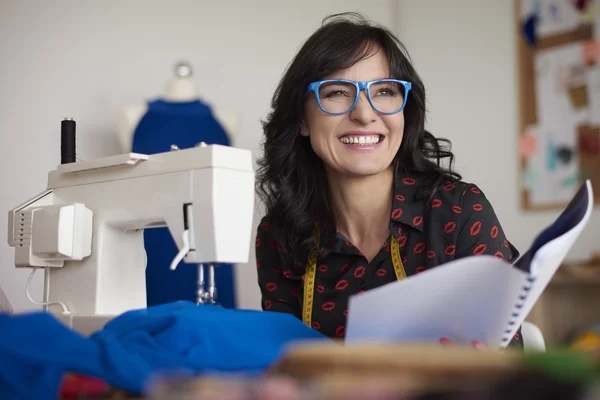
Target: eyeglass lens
<point x="338" y="97"/>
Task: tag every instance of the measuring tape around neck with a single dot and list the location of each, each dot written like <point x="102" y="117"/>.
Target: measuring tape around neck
<point x="311" y="272"/>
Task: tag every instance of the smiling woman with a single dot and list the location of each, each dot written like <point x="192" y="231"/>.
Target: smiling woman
<point x="354" y="186"/>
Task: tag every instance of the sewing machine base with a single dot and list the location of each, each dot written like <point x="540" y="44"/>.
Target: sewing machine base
<point x="83" y="323"/>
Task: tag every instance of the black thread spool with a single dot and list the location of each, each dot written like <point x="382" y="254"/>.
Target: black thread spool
<point x="67" y="141"/>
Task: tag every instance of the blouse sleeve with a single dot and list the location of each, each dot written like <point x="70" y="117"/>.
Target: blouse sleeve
<point x="278" y="289"/>
<point x="482" y="233"/>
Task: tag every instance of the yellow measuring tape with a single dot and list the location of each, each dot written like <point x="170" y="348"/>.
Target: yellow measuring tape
<point x="311" y="271"/>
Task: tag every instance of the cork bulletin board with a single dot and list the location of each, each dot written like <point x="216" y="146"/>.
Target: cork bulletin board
<point x="558" y="68"/>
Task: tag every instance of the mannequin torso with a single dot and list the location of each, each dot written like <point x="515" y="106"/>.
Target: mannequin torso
<point x="179" y="117"/>
<point x="178" y="90"/>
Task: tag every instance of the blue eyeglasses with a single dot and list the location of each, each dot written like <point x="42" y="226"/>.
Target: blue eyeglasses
<point x="340" y="96"/>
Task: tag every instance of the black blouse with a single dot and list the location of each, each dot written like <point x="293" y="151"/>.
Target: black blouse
<point x="458" y="222"/>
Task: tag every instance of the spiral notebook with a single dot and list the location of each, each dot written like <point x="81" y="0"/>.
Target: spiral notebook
<point x="473" y="298"/>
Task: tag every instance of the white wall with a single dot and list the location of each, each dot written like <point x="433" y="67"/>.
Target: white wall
<point x="89" y="59"/>
<point x="465" y="52"/>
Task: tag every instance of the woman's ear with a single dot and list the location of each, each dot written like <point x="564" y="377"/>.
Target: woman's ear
<point x="304" y="129"/>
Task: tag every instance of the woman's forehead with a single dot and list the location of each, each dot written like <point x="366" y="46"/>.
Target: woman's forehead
<point x="369" y="68"/>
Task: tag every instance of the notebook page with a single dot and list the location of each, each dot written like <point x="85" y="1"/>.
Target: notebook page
<point x="463" y="300"/>
<point x="549" y="251"/>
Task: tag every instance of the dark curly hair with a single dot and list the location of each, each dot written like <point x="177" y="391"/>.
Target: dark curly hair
<point x="291" y="180"/>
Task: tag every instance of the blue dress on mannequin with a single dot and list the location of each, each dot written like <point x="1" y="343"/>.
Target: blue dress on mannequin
<point x="185" y="125"/>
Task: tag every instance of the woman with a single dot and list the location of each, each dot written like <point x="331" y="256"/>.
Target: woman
<point x="349" y="181"/>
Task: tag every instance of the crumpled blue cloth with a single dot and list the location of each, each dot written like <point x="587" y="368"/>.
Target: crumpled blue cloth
<point x="36" y="349"/>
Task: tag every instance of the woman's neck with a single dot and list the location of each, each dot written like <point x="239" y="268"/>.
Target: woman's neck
<point x="362" y="206"/>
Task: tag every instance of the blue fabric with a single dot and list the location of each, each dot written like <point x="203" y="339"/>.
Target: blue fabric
<point x="36" y="349"/>
<point x="185" y="125"/>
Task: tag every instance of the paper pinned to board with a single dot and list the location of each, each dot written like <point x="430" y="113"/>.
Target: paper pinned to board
<point x="577" y="87"/>
<point x="580" y="5"/>
<point x="529" y="178"/>
<point x="588" y="13"/>
<point x="593" y="83"/>
<point x="567" y="93"/>
<point x="474" y="298"/>
<point x="590" y="52"/>
<point x="589" y="139"/>
<point x="528" y="143"/>
<point x="552" y="17"/>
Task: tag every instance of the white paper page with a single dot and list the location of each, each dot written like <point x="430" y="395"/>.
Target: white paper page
<point x="548" y="258"/>
<point x="553" y="186"/>
<point x="462" y="300"/>
<point x="556" y="17"/>
<point x="559" y="73"/>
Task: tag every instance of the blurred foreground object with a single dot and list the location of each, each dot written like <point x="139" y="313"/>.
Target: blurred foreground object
<point x="382" y="372"/>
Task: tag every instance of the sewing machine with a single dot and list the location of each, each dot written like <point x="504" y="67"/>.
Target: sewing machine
<point x="86" y="229"/>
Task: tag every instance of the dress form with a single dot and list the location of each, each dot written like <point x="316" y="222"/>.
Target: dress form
<point x="179" y="89"/>
<point x="178" y="118"/>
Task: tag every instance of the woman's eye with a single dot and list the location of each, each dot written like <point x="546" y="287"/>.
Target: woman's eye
<point x="333" y="93"/>
<point x="387" y="92"/>
<point x="337" y="90"/>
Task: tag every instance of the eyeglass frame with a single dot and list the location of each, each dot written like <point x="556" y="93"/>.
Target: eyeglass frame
<point x="366" y="86"/>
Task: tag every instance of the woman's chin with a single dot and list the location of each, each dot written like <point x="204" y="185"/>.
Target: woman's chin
<point x="363" y="169"/>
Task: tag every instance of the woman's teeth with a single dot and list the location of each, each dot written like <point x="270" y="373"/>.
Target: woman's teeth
<point x="360" y="140"/>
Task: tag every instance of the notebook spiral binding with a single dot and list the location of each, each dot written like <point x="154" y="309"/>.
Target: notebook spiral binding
<point x="517" y="309"/>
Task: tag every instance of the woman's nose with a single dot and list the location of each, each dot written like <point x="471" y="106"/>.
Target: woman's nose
<point x="363" y="112"/>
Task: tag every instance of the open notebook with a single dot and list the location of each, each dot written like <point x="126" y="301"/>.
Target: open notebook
<point x="474" y="298"/>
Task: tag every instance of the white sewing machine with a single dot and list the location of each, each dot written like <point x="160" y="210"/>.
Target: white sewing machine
<point x="86" y="229"/>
